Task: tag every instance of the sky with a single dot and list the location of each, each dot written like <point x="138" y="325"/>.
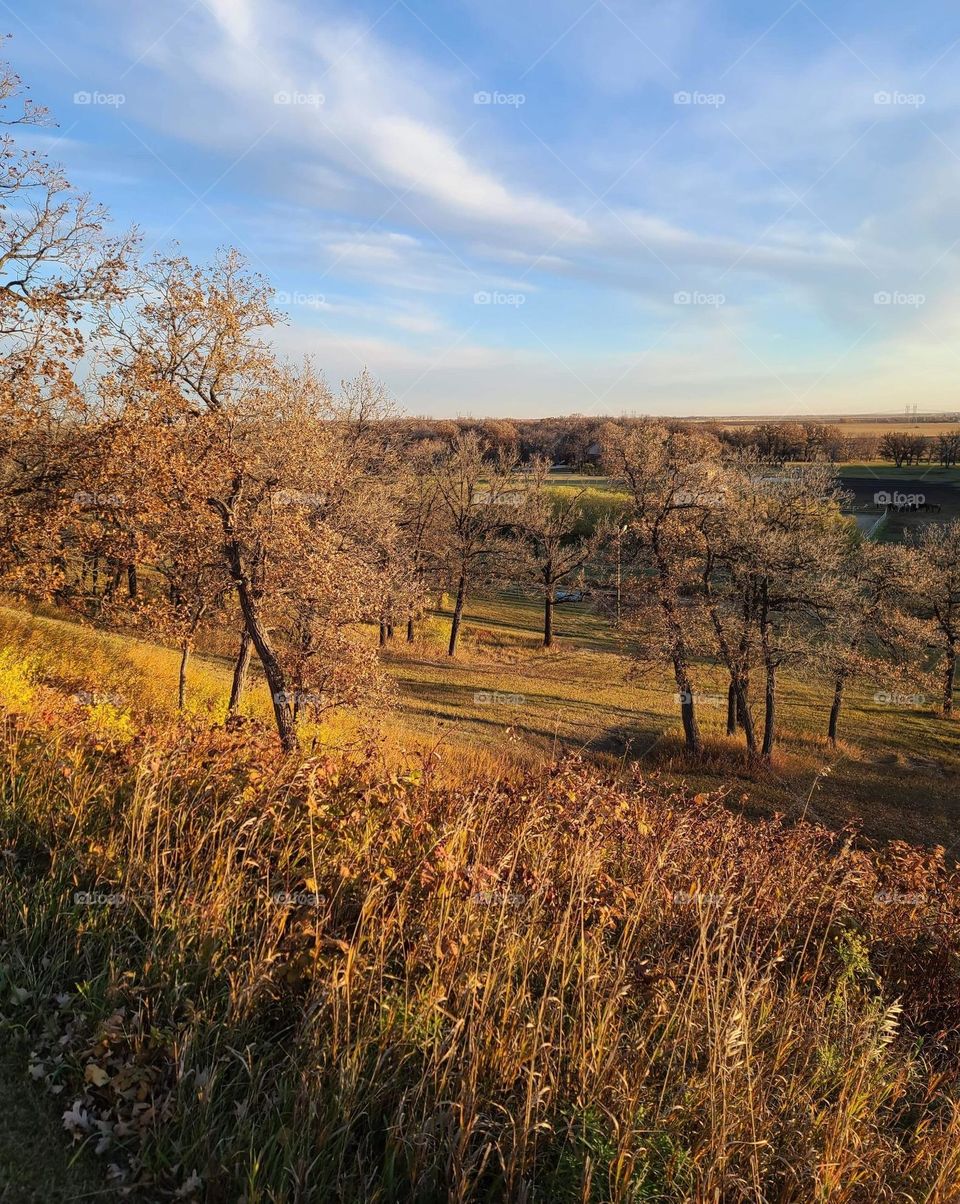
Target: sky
<point x="525" y="208"/>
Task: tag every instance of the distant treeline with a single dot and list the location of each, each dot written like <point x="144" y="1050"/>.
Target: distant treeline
<point x="574" y="441"/>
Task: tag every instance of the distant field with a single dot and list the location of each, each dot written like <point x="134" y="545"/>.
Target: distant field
<point x="850" y="426"/>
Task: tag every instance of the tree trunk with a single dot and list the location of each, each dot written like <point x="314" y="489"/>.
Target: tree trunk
<point x="457" y="615"/>
<point x="770" y="713"/>
<point x="383" y="632"/>
<point x="835" y="708"/>
<point x="745" y="715"/>
<point x="241" y="665"/>
<point x="688" y="713"/>
<point x="410" y="632"/>
<point x="548" y="603"/>
<point x="182" y="684"/>
<point x="738" y="705"/>
<point x="114" y="582"/>
<point x="948" y="679"/>
<point x="132" y="579"/>
<point x="272" y="669"/>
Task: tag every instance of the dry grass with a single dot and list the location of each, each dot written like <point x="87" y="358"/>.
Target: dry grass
<point x="323" y="980"/>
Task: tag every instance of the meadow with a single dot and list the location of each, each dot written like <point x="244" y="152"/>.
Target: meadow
<point x="242" y="976"/>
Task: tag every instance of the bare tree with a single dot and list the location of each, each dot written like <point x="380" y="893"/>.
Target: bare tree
<point x="672" y="480"/>
<point x="866" y="623"/>
<point x="553" y="547"/>
<point x="936" y="589"/>
<point x="475" y="496"/>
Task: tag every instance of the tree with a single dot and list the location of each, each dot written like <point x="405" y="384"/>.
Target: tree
<point x="866" y="620"/>
<point x="288" y="483"/>
<point x="55" y="258"/>
<point x="672" y="481"/>
<point x="300" y="524"/>
<point x="417" y="499"/>
<point x="936" y="589"/>
<point x="55" y="263"/>
<point x="948" y="447"/>
<point x="791" y="542"/>
<point x="903" y="448"/>
<point x="475" y="496"/>
<point x="551" y="549"/>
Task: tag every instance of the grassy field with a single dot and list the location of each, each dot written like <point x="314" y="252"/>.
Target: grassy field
<point x="313" y="979"/>
<point x="854" y="426"/>
<point x="505" y="702"/>
<point x="275" y="1049"/>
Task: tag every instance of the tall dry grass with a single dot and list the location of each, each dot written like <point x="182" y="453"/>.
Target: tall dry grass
<point x="264" y="980"/>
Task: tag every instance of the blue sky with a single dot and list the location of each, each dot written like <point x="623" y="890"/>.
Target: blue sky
<point x="678" y="206"/>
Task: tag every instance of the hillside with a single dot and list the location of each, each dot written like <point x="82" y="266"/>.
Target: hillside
<point x="244" y="974"/>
